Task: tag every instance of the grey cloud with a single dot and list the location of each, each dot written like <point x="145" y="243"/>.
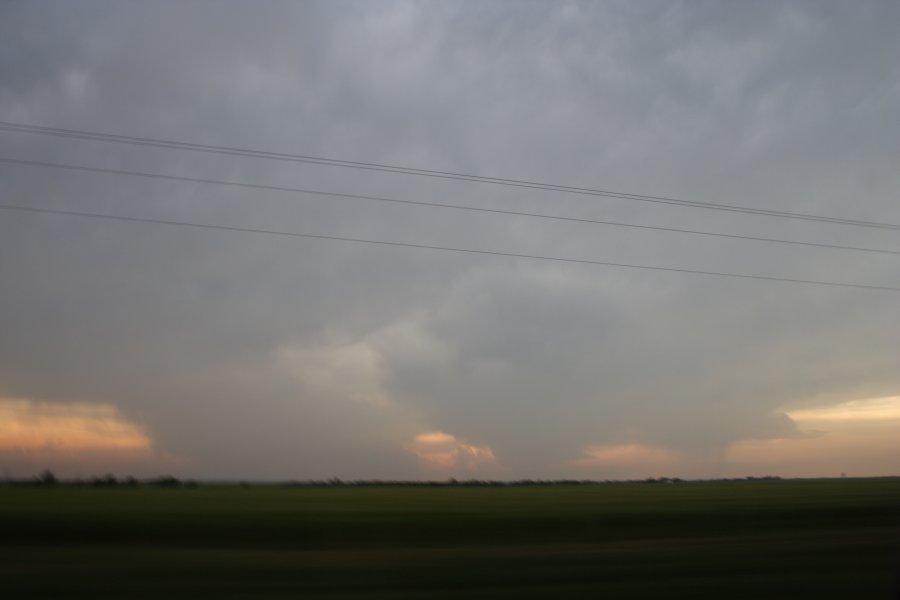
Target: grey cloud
<point x="791" y="106"/>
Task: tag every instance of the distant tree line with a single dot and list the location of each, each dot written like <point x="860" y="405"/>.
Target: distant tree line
<point x="47" y="479"/>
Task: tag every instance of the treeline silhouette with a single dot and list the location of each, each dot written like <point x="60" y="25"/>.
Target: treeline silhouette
<point x="48" y="479"/>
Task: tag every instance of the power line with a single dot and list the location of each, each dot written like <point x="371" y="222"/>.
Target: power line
<point x="147" y="220"/>
<point x="370" y="166"/>
<point x="259" y="186"/>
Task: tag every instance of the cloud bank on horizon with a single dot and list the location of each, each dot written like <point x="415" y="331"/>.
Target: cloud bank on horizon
<point x="234" y="355"/>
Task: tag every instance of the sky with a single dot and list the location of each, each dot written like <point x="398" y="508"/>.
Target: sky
<point x="143" y="348"/>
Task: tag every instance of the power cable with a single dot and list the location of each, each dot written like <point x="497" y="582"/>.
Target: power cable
<point x="147" y="220"/>
<point x="258" y="186"/>
<point x="370" y="166"/>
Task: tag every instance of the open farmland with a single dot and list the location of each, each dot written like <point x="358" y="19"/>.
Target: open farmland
<point x="754" y="539"/>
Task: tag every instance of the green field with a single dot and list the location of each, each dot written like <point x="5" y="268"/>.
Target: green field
<point x="755" y="539"/>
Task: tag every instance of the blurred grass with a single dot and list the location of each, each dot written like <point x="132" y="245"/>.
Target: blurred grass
<point x="772" y="539"/>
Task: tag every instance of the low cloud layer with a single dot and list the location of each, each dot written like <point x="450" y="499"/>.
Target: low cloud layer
<point x="251" y="356"/>
<point x="629" y="460"/>
<point x="441" y="452"/>
<point x="857" y="438"/>
<point x="29" y="426"/>
<point x="74" y="437"/>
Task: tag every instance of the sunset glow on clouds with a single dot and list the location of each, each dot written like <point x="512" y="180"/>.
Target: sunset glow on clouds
<point x="59" y="435"/>
<point x="48" y="427"/>
<point x="857" y="437"/>
<point x="630" y="460"/>
<point x="439" y="451"/>
<point x="872" y="409"/>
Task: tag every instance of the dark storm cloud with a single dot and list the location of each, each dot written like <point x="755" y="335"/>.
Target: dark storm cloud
<point x="259" y="356"/>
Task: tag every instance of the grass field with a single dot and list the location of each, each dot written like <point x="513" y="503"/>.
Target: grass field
<point x="755" y="539"/>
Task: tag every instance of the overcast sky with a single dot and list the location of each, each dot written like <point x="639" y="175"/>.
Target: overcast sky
<point x="141" y="348"/>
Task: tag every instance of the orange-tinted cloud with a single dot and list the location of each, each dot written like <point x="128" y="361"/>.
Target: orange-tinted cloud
<point x="88" y="436"/>
<point x="858" y="437"/>
<point x="31" y="426"/>
<point x="630" y="460"/>
<point x="872" y="409"/>
<point x="441" y="451"/>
